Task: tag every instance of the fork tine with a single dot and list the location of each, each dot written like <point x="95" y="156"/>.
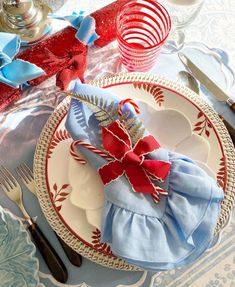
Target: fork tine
<point x="22" y="174"/>
<point x="5" y="182"/>
<point x="4" y="185"/>
<point x="8" y="177"/>
<point x="28" y="170"/>
<point x="25" y="173"/>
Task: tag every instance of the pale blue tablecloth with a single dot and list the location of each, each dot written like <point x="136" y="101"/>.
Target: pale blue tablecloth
<point x="22" y="124"/>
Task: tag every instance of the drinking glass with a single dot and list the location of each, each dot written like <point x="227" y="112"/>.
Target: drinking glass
<point x="183" y="13"/>
<point x="142" y="27"/>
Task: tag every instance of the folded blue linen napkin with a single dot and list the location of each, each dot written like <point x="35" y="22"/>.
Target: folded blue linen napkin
<point x="170" y="234"/>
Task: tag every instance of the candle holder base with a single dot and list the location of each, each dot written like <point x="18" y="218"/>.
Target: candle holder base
<point x="28" y="18"/>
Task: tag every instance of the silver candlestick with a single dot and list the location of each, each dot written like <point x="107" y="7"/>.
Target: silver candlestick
<point x="28" y="18"/>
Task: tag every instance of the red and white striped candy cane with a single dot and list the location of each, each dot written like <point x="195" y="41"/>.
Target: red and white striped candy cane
<point x="158" y="190"/>
<point x="128" y="101"/>
<point x="89" y="147"/>
<point x="75" y="155"/>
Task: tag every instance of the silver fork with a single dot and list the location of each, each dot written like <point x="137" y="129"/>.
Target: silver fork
<point x="13" y="190"/>
<point x="26" y="176"/>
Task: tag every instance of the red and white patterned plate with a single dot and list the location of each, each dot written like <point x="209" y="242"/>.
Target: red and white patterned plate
<point x="178" y="118"/>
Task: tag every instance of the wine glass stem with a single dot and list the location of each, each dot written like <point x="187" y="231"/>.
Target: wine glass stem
<point x="175" y="42"/>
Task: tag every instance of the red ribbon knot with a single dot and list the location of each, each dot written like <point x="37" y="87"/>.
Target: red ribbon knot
<point x="132" y="162"/>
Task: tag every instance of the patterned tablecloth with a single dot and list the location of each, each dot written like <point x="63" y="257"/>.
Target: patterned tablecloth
<point x="20" y="127"/>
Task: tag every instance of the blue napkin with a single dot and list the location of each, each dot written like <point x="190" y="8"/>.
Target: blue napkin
<point x="15" y="72"/>
<point x="170" y="234"/>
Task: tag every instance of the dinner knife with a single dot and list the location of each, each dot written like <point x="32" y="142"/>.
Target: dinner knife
<point x="207" y="82"/>
<point x="212" y="87"/>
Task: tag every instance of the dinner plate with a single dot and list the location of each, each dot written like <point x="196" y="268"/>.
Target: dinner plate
<point x="19" y="266"/>
<point x="179" y="119"/>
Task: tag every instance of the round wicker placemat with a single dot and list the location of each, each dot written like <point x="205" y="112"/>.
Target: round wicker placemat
<point x="48" y="130"/>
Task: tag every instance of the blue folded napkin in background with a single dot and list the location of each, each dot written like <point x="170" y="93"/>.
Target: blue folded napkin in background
<point x="170" y="234"/>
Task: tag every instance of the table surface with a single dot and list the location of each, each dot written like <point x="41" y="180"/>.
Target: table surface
<point x="214" y="27"/>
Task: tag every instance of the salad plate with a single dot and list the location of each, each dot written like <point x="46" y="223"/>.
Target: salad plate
<point x="70" y="194"/>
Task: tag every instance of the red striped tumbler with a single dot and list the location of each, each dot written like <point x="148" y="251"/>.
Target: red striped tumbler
<point x="142" y="26"/>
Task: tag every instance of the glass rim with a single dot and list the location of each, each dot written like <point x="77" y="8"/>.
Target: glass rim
<point x="143" y="48"/>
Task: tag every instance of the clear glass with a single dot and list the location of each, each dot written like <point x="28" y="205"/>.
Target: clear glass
<point x="183" y="13"/>
<point x="55" y="5"/>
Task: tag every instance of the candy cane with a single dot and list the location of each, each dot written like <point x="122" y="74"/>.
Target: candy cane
<point x="75" y="155"/>
<point x="155" y="195"/>
<point x="128" y="101"/>
<point x="88" y="146"/>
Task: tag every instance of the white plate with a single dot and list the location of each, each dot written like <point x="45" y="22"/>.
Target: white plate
<point x="177" y="117"/>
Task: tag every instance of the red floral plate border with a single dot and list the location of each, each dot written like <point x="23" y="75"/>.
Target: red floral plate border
<point x="205" y="122"/>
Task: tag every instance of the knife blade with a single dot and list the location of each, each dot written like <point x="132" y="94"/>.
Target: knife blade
<point x="212" y="87"/>
<point x="206" y="81"/>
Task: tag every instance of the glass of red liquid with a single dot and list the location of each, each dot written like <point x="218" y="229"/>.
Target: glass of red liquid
<point x="142" y="27"/>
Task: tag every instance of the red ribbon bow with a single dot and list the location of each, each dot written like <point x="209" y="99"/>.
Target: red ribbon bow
<point x="131" y="161"/>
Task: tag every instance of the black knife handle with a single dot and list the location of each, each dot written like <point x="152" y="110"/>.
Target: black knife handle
<point x="231" y="130"/>
<point x="74" y="257"/>
<point x="53" y="261"/>
<point x="232" y="107"/>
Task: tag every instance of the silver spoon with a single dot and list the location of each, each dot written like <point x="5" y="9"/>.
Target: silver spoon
<point x="189" y="81"/>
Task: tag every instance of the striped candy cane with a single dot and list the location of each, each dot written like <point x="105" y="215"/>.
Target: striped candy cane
<point x="128" y="101"/>
<point x="158" y="190"/>
<point x="89" y="147"/>
<point x="75" y="155"/>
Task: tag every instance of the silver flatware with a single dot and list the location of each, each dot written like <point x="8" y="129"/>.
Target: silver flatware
<point x="190" y="82"/>
<point x="206" y="81"/>
<point x="26" y="176"/>
<point x="12" y="189"/>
